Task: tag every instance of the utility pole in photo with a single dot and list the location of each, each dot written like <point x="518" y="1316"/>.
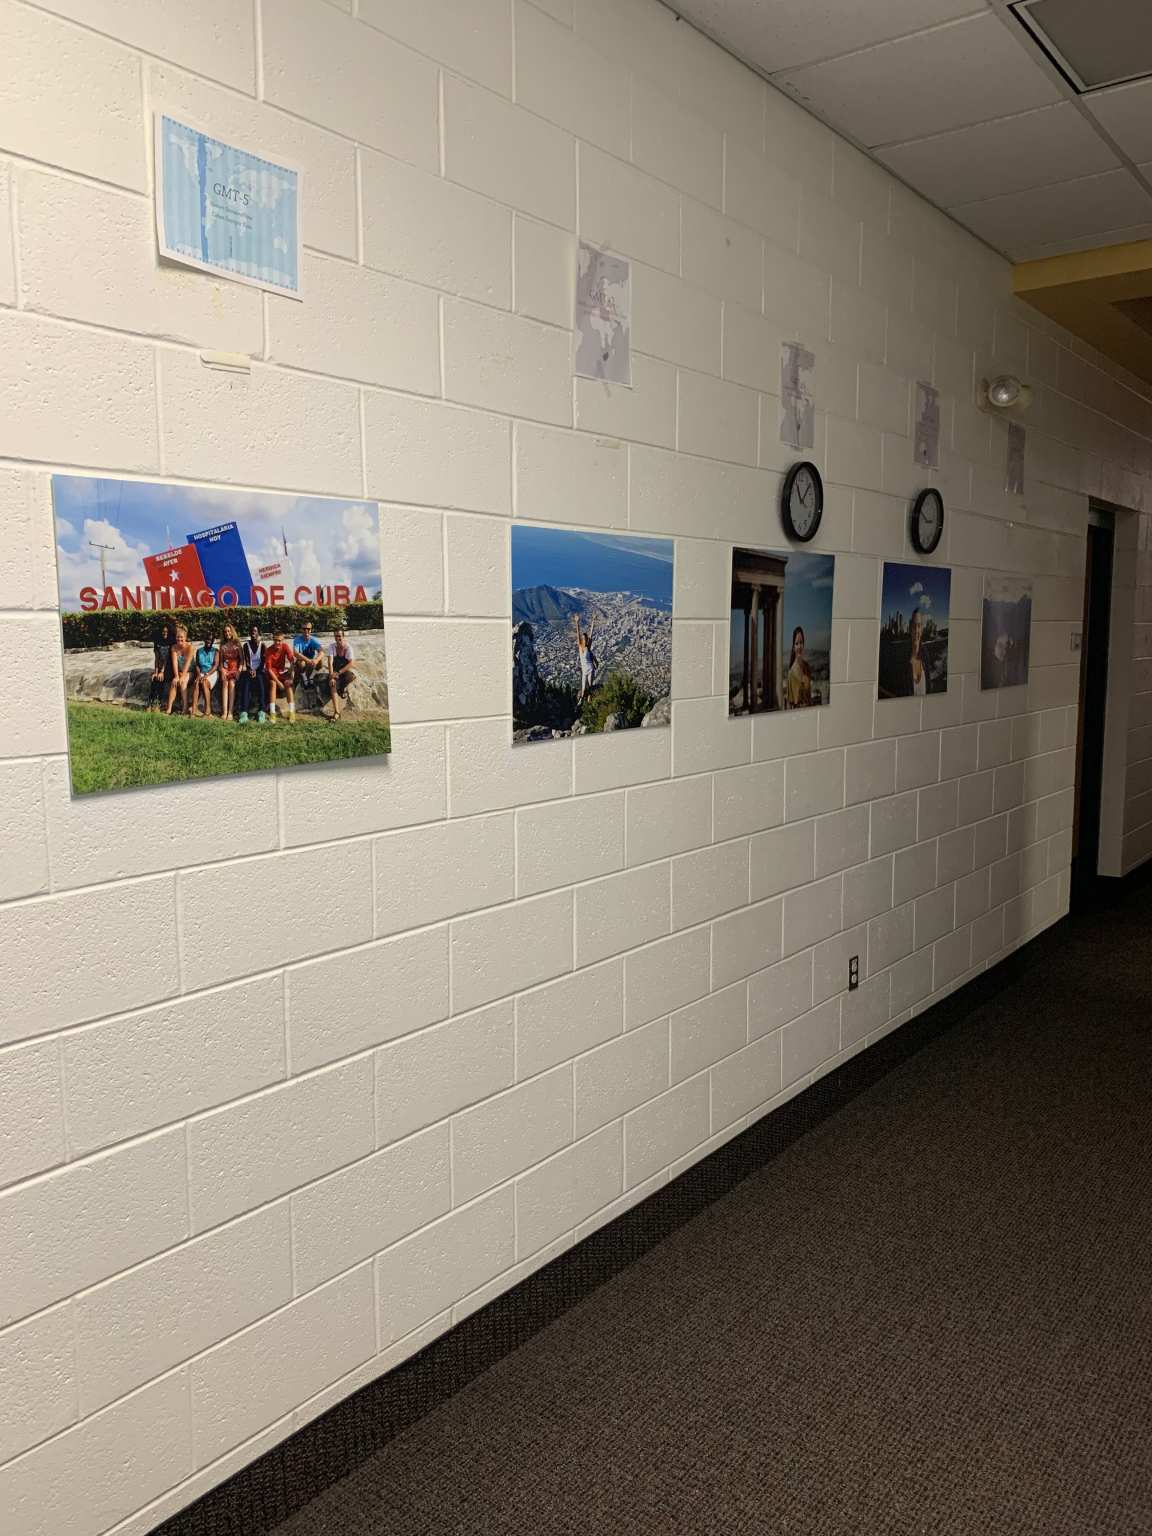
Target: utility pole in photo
<point x="104" y="549"/>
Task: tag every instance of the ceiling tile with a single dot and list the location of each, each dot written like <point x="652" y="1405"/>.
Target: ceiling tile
<point x="1045" y="215"/>
<point x="1100" y="43"/>
<point x="954" y="75"/>
<point x="1126" y="113"/>
<point x="1084" y="243"/>
<point x="1009" y="154"/>
<point x="779" y="34"/>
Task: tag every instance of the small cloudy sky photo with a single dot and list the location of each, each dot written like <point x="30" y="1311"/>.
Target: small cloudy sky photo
<point x="1002" y="588"/>
<point x="908" y="587"/>
<point x="328" y="540"/>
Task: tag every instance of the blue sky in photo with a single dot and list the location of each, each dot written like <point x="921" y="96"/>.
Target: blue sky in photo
<point x="597" y="562"/>
<point x="906" y="587"/>
<point x="329" y="540"/>
<point x="808" y="600"/>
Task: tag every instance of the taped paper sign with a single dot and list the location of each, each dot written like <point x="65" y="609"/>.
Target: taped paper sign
<point x="226" y="211"/>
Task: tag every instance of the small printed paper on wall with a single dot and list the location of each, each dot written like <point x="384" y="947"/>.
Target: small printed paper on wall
<point x="1005" y="631"/>
<point x="1014" y="460"/>
<point x="591" y="632"/>
<point x="226" y="211"/>
<point x="926" y="440"/>
<point x="797" y="408"/>
<point x="780" y="630"/>
<point x="214" y="632"/>
<point x="603" y="316"/>
<point x="913" y="659"/>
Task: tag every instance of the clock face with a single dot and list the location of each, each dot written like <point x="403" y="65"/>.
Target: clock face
<point x="803" y="501"/>
<point x="927" y="521"/>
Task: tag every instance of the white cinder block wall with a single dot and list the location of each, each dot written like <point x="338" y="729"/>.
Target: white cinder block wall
<point x="242" y="1179"/>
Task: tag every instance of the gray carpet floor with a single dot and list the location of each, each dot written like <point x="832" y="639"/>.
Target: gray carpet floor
<point x="931" y="1315"/>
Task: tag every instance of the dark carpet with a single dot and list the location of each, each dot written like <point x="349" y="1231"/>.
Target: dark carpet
<point x="932" y="1314"/>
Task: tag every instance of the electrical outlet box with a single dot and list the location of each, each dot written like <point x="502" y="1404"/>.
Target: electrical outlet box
<point x="853" y="973"/>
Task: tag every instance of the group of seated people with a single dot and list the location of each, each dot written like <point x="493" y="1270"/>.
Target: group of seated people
<point x="253" y="678"/>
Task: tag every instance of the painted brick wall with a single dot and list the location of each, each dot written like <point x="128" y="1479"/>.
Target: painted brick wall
<point x="241" y="1180"/>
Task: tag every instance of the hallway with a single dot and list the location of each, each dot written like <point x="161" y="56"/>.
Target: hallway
<point x="932" y="1314"/>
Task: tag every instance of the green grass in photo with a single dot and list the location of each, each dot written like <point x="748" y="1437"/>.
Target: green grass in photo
<point x="116" y="748"/>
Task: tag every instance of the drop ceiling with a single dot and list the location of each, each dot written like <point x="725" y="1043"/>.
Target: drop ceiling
<point x="1029" y="121"/>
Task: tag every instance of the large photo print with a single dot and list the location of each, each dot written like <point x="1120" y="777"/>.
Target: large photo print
<point x="780" y="631"/>
<point x="216" y="632"/>
<point x="914" y="631"/>
<point x="591" y="632"/>
<point x="1005" y="631"/>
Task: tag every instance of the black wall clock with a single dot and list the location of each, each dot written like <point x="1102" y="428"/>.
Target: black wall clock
<point x="926" y="526"/>
<point x="802" y="501"/>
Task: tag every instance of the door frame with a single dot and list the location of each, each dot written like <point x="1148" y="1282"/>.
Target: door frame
<point x="1121" y="613"/>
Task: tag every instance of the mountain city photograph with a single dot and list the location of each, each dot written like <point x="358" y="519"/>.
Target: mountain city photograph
<point x="591" y="632"/>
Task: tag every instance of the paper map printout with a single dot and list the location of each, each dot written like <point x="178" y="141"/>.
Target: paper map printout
<point x="926" y="444"/>
<point x="603" y="316"/>
<point x="797" y="409"/>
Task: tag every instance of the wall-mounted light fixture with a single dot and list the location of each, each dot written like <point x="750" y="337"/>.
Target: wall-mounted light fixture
<point x="1005" y="392"/>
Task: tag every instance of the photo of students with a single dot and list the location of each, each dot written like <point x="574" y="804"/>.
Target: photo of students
<point x="309" y="657"/>
<point x="185" y="610"/>
<point x="279" y="672"/>
<point x="250" y="689"/>
<point x="342" y="674"/>
<point x="231" y="655"/>
<point x="182" y="662"/>
<point x="161" y="668"/>
<point x="207" y="671"/>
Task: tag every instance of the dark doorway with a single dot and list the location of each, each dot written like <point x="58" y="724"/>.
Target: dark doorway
<point x="1093" y="706"/>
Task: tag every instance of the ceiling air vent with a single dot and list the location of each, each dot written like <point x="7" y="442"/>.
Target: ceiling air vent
<point x="1092" y="42"/>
